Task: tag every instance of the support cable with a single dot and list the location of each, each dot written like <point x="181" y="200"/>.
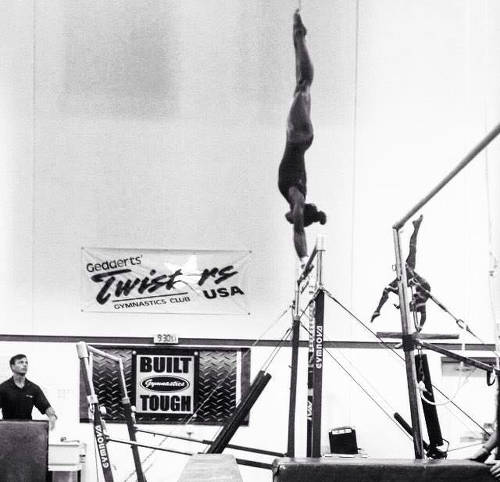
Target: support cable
<point x="390" y="348"/>
<point x="460" y="322"/>
<point x="360" y="386"/>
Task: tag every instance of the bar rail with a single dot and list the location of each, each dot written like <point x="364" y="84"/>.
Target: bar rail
<point x="463" y="163"/>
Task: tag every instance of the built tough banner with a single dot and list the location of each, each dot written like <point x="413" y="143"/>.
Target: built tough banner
<point x="170" y="385"/>
<point x="165" y="381"/>
<point x="164" y="281"/>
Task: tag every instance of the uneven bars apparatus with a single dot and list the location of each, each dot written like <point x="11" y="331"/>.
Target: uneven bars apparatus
<point x="101" y="437"/>
<point x="408" y="338"/>
<point x="315" y="358"/>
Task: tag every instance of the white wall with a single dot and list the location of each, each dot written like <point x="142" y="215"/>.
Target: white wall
<point x="161" y="124"/>
<point x="16" y="161"/>
<point x="156" y="128"/>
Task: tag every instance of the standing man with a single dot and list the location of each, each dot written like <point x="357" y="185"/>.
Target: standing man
<point x="18" y="395"/>
<point x="292" y="179"/>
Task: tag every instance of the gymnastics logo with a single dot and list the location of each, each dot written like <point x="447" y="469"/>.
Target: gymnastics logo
<point x="165" y="384"/>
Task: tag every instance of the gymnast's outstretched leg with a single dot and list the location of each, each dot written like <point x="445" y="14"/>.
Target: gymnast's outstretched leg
<point x="411" y="260"/>
<point x="299" y="125"/>
<point x="421" y="286"/>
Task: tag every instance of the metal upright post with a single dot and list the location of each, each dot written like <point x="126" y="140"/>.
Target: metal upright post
<point x="310" y="381"/>
<point x="408" y="346"/>
<point x="130" y="420"/>
<point x="99" y="434"/>
<point x="317" y="355"/>
<point x="317" y="373"/>
<point x="312" y="287"/>
<point x="127" y="407"/>
<point x="497" y="455"/>
<point x="293" y="372"/>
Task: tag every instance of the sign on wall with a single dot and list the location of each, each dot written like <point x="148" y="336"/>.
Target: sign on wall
<point x="165" y="381"/>
<point x="221" y="378"/>
<point x="164" y="281"/>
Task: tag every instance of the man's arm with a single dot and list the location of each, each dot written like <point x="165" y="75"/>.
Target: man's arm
<point x="51" y="415"/>
<point x="44" y="407"/>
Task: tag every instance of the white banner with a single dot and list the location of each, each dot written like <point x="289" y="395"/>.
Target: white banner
<point x="164" y="281"/>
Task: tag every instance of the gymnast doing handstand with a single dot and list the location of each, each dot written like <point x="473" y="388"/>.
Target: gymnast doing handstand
<point x="292" y="181"/>
<point x="420" y="286"/>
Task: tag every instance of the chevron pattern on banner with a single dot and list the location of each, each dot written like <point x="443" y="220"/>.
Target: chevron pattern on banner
<point x="215" y="365"/>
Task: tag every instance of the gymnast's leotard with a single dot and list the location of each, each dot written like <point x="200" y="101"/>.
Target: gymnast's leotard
<point x="292" y="170"/>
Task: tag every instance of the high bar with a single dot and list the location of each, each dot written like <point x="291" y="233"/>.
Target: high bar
<point x="463" y="163"/>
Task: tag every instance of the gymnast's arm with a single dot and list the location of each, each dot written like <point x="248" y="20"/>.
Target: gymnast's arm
<point x="299" y="235"/>
<point x="392" y="287"/>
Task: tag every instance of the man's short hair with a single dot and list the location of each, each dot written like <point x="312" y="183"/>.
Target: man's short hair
<point x="19" y="356"/>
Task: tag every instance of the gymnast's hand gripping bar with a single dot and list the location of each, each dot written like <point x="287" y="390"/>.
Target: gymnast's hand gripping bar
<point x="320" y="246"/>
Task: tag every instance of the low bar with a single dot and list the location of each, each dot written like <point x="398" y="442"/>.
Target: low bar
<point x="208" y="442"/>
<point x="250" y="463"/>
<point x="468" y="361"/>
<point x="103" y="354"/>
<point x="422" y="336"/>
<point x="308" y="267"/>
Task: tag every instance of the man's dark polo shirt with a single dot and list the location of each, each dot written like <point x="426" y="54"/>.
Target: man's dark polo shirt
<point x="17" y="403"/>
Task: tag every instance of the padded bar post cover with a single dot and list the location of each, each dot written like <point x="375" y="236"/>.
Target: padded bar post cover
<point x="317" y="374"/>
<point x="430" y="411"/>
<point x="497" y="455"/>
<point x="24" y="448"/>
<point x="292" y="405"/>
